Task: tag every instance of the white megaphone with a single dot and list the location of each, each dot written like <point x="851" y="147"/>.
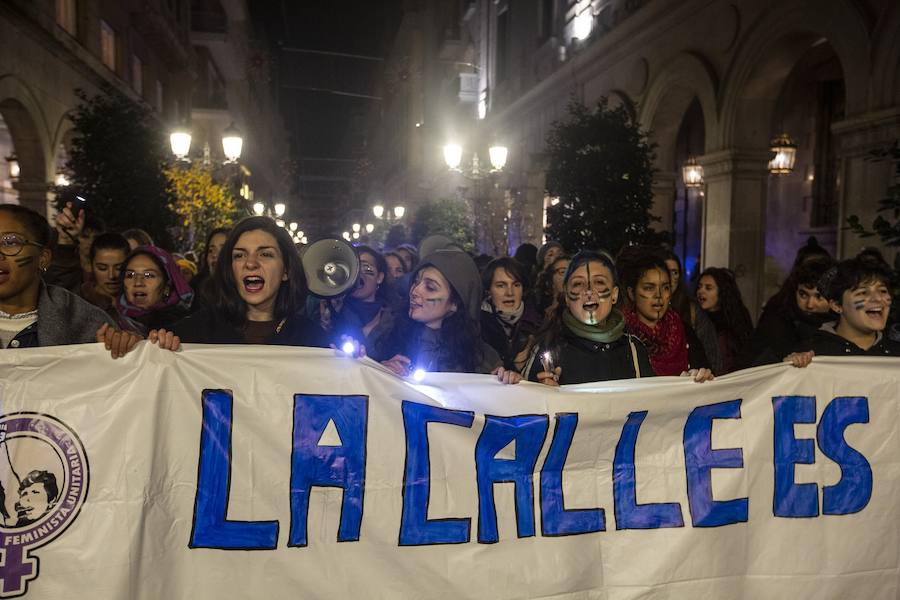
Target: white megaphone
<point x="331" y="267"/>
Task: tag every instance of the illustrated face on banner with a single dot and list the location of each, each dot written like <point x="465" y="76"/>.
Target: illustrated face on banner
<point x="651" y="297"/>
<point x="591" y="293"/>
<point x="369" y="278"/>
<point x="107" y="269"/>
<point x="674" y="273"/>
<point x="145" y="283"/>
<point x="258" y="268"/>
<point x="865" y="308"/>
<point x="29" y="481"/>
<point x="429" y="298"/>
<point x="212" y="251"/>
<point x="506" y="292"/>
<point x="809" y="300"/>
<point x="708" y="293"/>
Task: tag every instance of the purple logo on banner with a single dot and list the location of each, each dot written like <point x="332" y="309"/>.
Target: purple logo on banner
<point x="43" y="483"/>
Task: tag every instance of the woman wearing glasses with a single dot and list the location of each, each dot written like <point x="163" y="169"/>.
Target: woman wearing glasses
<point x="155" y="293"/>
<point x="33" y="314"/>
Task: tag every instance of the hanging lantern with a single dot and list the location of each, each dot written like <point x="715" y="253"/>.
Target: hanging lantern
<point x="13" y="171"/>
<point x="785" y="153"/>
<point x="692" y="173"/>
<point x="232" y="142"/>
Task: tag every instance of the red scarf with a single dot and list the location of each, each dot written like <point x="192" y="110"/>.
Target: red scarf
<point x="665" y="343"/>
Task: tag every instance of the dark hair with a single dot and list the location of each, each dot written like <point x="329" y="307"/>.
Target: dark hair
<point x="526" y="254"/>
<point x="634" y="261"/>
<point x="810" y="250"/>
<point x="544" y="249"/>
<point x="46" y="478"/>
<point x="735" y="313"/>
<point x="34" y="222"/>
<point x="398" y="257"/>
<point x="850" y="274"/>
<point x="292" y="293"/>
<point x="139" y="235"/>
<point x="413" y="256"/>
<point x="380" y="263"/>
<point x="514" y="268"/>
<point x="807" y="273"/>
<point x="549" y="334"/>
<point x="544" y="284"/>
<point x="681" y="300"/>
<point x="204" y="267"/>
<point x="109" y="241"/>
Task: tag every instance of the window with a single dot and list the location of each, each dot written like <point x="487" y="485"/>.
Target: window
<point x="502" y="68"/>
<point x="107" y="45"/>
<point x="159" y="96"/>
<point x="137" y="75"/>
<point x="830" y="108"/>
<point x="67" y="16"/>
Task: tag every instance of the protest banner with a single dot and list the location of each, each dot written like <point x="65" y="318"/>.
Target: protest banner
<point x="252" y="471"/>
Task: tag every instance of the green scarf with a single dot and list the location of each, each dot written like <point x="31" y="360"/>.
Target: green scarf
<point x="609" y="331"/>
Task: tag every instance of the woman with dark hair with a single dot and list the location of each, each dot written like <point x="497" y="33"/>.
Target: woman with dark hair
<point x="440" y="330"/>
<point x="858" y="293"/>
<point x="33" y="314"/>
<point x="373" y="294"/>
<point x="137" y="237"/>
<point x="546" y="254"/>
<point x="396" y="267"/>
<point x="719" y="296"/>
<point x="215" y="241"/>
<point x="507" y="319"/>
<point x="692" y="316"/>
<point x="259" y="294"/>
<point x="549" y="284"/>
<point x="645" y="277"/>
<point x="584" y="338"/>
<point x="792" y="315"/>
<point x="156" y="296"/>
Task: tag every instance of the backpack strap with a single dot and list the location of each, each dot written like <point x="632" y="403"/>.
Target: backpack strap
<point x="634" y="359"/>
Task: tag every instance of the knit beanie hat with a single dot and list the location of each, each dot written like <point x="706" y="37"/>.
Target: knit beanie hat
<point x="460" y="270"/>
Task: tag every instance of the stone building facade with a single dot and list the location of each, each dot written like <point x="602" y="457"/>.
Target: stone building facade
<point x="145" y="49"/>
<point x="713" y="79"/>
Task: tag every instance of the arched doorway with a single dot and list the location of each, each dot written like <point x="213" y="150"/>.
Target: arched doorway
<point x="31" y="185"/>
<point x="8" y="194"/>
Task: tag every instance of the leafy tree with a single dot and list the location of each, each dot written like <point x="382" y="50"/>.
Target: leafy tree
<point x="447" y="216"/>
<point x="601" y="168"/>
<point x="200" y="205"/>
<point x="116" y="160"/>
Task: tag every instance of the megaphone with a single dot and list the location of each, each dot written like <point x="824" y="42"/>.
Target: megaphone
<point x="331" y="267"/>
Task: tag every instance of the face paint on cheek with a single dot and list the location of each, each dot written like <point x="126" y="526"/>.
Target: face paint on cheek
<point x="573" y="296"/>
<point x="859" y="305"/>
<point x="435" y="300"/>
<point x="24" y="261"/>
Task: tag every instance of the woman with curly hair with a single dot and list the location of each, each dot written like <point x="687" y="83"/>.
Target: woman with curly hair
<point x="719" y="296"/>
<point x="549" y="283"/>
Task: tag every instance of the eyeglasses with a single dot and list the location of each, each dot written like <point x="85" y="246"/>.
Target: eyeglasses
<point x="11" y="244"/>
<point x="146" y="275"/>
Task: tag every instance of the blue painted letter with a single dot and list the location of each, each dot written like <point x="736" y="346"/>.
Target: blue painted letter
<point x="852" y="493"/>
<point x="416" y="529"/>
<point x="528" y="433"/>
<point x="339" y="466"/>
<point x="700" y="459"/>
<point x="555" y="518"/>
<point x="793" y="499"/>
<point x="212" y="529"/>
<point x="630" y="514"/>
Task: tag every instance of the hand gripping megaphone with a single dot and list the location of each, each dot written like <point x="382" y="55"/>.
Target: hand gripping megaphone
<point x="331" y="267"/>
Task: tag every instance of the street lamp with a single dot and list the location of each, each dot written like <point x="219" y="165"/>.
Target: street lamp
<point x="12" y="162"/>
<point x="380" y="213"/>
<point x="785" y="151"/>
<point x="692" y="173"/>
<point x="370" y="228"/>
<point x="453" y="158"/>
<point x="259" y="209"/>
<point x="583" y="24"/>
<point x="180" y="140"/>
<point x="279" y="209"/>
<point x="232" y="143"/>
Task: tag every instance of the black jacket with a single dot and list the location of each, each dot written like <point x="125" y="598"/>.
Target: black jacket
<point x="825" y="343"/>
<point x="584" y="361"/>
<point x="508" y="346"/>
<point x="776" y="335"/>
<point x="207" y="327"/>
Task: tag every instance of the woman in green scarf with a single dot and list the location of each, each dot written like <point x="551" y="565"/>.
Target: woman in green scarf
<point x="584" y="338"/>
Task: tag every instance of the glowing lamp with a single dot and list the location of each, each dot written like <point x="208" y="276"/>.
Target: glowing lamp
<point x="369" y="228"/>
<point x="259" y="209"/>
<point x="498" y="156"/>
<point x="583" y="25"/>
<point x="692" y="173"/>
<point x="399" y="211"/>
<point x="232" y="142"/>
<point x="279" y="209"/>
<point x="378" y="211"/>
<point x="453" y="155"/>
<point x="180" y="141"/>
<point x="785" y="153"/>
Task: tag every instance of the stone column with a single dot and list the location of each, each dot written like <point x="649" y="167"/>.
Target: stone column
<point x="664" y="199"/>
<point x="863" y="182"/>
<point x="34" y="195"/>
<point x="735" y="218"/>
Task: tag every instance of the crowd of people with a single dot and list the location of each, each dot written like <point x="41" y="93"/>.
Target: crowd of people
<point x="552" y="315"/>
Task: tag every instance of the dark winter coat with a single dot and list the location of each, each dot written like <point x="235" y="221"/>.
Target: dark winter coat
<point x="207" y="327"/>
<point x="584" y="361"/>
<point x="777" y="334"/>
<point x="509" y="346"/>
<point x="825" y="342"/>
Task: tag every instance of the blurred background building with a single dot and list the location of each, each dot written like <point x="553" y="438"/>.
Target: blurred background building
<point x="712" y="80"/>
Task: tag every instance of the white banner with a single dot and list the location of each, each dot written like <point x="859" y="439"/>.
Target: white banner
<point x="267" y="472"/>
